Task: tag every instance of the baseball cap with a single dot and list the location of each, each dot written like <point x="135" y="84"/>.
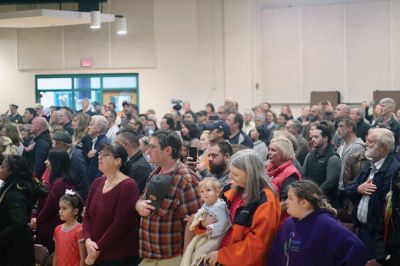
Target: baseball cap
<point x="157" y="188"/>
<point x="14" y="106"/>
<point x="221" y="126"/>
<point x="38" y="105"/>
<point x="62" y="136"/>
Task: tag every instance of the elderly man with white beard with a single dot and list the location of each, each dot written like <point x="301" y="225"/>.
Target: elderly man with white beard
<point x="368" y="190"/>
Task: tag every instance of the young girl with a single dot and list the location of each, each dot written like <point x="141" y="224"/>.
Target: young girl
<point x="210" y="223"/>
<point x="312" y="236"/>
<point x="68" y="238"/>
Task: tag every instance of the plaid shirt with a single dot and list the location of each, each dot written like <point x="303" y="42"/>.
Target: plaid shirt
<point x="162" y="232"/>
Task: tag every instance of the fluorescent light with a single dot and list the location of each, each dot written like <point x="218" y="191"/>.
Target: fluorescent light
<point x="121" y="25"/>
<point x="95" y="20"/>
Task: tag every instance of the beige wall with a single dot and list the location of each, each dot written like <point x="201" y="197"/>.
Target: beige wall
<point x="206" y="50"/>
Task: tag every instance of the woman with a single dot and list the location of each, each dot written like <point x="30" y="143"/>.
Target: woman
<point x="210" y="110"/>
<point x="190" y="132"/>
<point x="281" y="169"/>
<point x="11" y="130"/>
<point x="254" y="210"/>
<point x="110" y="223"/>
<point x="81" y="138"/>
<point x="312" y="236"/>
<point x="258" y="137"/>
<point x="60" y="178"/>
<point x="26" y="136"/>
<point x="17" y="197"/>
<point x="285" y="109"/>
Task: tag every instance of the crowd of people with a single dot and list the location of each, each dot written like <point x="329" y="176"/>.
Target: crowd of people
<point x="213" y="187"/>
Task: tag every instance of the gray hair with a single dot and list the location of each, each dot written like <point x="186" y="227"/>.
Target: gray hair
<point x="385" y="137"/>
<point x="249" y="162"/>
<point x="360" y="112"/>
<point x="388" y="101"/>
<point x="249" y="112"/>
<point x="101" y="123"/>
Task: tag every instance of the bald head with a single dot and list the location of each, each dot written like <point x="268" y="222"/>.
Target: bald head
<point x="39" y="125"/>
<point x="342" y="111"/>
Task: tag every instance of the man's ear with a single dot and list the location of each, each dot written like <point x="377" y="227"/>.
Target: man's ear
<point x="227" y="157"/>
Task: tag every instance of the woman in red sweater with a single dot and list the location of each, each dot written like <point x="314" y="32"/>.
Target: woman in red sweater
<point x="281" y="169"/>
<point x="110" y="224"/>
<point x="254" y="211"/>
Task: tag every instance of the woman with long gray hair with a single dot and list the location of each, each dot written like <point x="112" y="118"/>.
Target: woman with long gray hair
<point x="254" y="212"/>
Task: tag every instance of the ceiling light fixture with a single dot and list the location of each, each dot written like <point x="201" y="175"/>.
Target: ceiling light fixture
<point x="121" y="25"/>
<point x="95" y="20"/>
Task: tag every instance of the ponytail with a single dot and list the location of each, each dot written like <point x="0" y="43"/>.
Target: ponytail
<point x="310" y="191"/>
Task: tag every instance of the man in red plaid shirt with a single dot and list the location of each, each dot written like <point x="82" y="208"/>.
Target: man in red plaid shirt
<point x="163" y="232"/>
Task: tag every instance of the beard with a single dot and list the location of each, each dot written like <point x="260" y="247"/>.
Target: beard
<point x="371" y="153"/>
<point x="218" y="169"/>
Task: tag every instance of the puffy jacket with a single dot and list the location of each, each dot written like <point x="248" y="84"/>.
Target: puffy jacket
<point x="254" y="228"/>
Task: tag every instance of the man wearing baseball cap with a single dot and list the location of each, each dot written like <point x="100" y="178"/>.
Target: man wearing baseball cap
<point x="219" y="131"/>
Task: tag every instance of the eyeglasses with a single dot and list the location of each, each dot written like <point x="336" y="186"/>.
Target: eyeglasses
<point x="151" y="146"/>
<point x="105" y="154"/>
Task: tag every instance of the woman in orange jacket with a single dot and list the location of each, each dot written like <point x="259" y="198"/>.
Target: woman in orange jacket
<point x="254" y="211"/>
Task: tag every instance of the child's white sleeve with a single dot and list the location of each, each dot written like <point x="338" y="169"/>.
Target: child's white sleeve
<point x="220" y="210"/>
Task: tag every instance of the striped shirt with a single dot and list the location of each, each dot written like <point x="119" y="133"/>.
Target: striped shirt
<point x="162" y="232"/>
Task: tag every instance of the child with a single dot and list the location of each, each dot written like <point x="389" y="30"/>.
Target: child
<point x="312" y="236"/>
<point x="68" y="238"/>
<point x="212" y="217"/>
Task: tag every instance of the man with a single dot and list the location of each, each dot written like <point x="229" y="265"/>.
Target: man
<point x="294" y="127"/>
<point x="357" y="115"/>
<point x="235" y="123"/>
<point x="137" y="166"/>
<point x="97" y="131"/>
<point x="163" y="232"/>
<point x="29" y="114"/>
<point x="15" y="117"/>
<point x="388" y="119"/>
<point x="86" y="107"/>
<point x="351" y="144"/>
<point x="322" y="165"/>
<point x="219" y="155"/>
<point x="111" y="117"/>
<point x="40" y="129"/>
<point x="222" y="112"/>
<point x="202" y="119"/>
<point x="62" y="140"/>
<point x="111" y="107"/>
<point x="64" y="119"/>
<point x="369" y="189"/>
<point x="249" y="123"/>
<point x="219" y="131"/>
<point x="342" y="111"/>
<point x="128" y="113"/>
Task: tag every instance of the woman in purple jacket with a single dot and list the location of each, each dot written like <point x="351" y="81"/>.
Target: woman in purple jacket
<point x="312" y="236"/>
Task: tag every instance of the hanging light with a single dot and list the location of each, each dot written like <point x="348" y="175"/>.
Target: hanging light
<point x="95" y="20"/>
<point x="121" y="25"/>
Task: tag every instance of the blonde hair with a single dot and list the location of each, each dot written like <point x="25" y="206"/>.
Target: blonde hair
<point x="285" y="147"/>
<point x="210" y="182"/>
